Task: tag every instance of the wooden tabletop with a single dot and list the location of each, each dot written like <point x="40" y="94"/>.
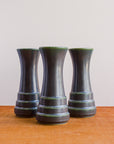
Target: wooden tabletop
<point x="94" y="130"/>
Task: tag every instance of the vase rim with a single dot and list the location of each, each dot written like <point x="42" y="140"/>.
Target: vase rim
<point x="81" y="49"/>
<point x="27" y="49"/>
<point x="53" y="47"/>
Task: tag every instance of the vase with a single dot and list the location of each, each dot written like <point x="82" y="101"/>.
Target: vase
<point x="81" y="102"/>
<point x="52" y="106"/>
<point x="27" y="101"/>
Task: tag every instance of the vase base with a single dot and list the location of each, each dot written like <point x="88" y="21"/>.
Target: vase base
<point x="48" y="123"/>
<point x="24" y="112"/>
<point x="52" y="118"/>
<point x="82" y="113"/>
<point x="52" y="110"/>
<point x="81" y="116"/>
<point x="23" y="116"/>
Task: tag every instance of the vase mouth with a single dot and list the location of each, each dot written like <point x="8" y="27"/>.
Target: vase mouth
<point x="81" y="49"/>
<point x="33" y="49"/>
<point x="53" y="47"/>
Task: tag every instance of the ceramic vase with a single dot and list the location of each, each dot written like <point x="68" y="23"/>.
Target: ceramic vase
<point x="81" y="102"/>
<point x="53" y="107"/>
<point x="27" y="101"/>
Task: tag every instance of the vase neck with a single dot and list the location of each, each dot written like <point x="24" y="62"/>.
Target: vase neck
<point x="81" y="63"/>
<point x="28" y="61"/>
<point x="53" y="60"/>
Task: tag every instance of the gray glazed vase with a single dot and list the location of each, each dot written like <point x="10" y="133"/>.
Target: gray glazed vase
<point x="53" y="107"/>
<point x="81" y="102"/>
<point x="27" y="101"/>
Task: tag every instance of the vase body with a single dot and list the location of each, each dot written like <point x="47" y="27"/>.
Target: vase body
<point x="27" y="101"/>
<point x="52" y="106"/>
<point x="81" y="102"/>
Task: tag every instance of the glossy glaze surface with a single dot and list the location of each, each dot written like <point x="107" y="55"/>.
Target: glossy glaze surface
<point x="53" y="103"/>
<point x="27" y="101"/>
<point x="81" y="103"/>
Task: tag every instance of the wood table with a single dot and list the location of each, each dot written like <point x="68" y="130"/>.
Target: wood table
<point x="94" y="130"/>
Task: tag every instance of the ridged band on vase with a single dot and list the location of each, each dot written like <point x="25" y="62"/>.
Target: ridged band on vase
<point x="28" y="95"/>
<point x="81" y="102"/>
<point x="52" y="108"/>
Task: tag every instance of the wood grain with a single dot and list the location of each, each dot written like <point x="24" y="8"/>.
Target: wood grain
<point x="94" y="130"/>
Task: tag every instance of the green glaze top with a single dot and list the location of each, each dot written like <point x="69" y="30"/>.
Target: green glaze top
<point x="27" y="49"/>
<point x="81" y="49"/>
<point x="53" y="47"/>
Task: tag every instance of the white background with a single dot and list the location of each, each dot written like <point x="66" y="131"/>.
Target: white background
<point x="72" y="23"/>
